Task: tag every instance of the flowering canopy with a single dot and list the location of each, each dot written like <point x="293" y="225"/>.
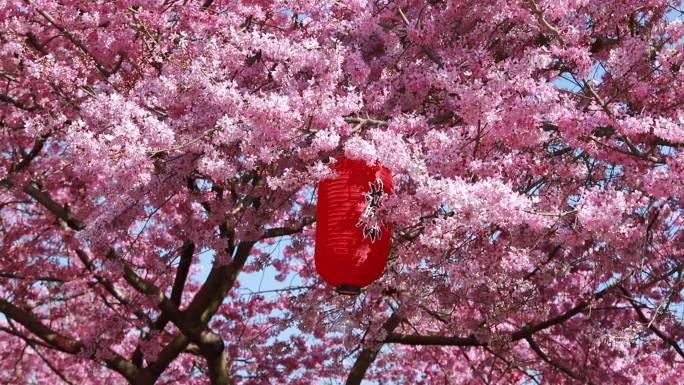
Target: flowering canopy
<point x="536" y="151"/>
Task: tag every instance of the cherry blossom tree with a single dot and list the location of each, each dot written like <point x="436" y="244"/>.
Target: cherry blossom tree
<point x="154" y="152"/>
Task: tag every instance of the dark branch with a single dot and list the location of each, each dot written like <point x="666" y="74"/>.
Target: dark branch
<point x="34" y="191"/>
<point x="473" y="341"/>
<point x="49" y="364"/>
<point x="555" y="364"/>
<point x="220" y="280"/>
<point x="182" y="272"/>
<point x="51" y="205"/>
<point x="169" y="353"/>
<point x="676" y="269"/>
<point x="432" y="56"/>
<point x="405" y="339"/>
<point x="367" y="355"/>
<point x="366" y="122"/>
<point x="103" y="71"/>
<point x="49" y="336"/>
<point x="282" y="231"/>
<point x="10" y="100"/>
<point x="63" y="343"/>
<point x="179" y="282"/>
<point x="18" y="334"/>
<point x="176" y="294"/>
<point x="109" y="286"/>
<point x="4" y="274"/>
<point x="197" y="315"/>
<point x="35" y="150"/>
<point x="651" y="325"/>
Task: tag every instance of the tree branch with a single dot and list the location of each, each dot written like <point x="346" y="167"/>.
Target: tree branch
<point x="46" y="200"/>
<point x="176" y="294"/>
<point x="416" y="339"/>
<point x="49" y="336"/>
<point x="633" y="150"/>
<point x="49" y="364"/>
<point x="182" y="273"/>
<point x="179" y="282"/>
<point x="33" y="190"/>
<point x="109" y="286"/>
<point x="10" y="100"/>
<point x="35" y="150"/>
<point x="58" y="210"/>
<point x="103" y="71"/>
<point x="282" y="231"/>
<point x="367" y="355"/>
<point x="555" y="364"/>
<point x="642" y="317"/>
<point x="192" y="322"/>
<point x="63" y="343"/>
<point x="166" y="356"/>
<point x="202" y="307"/>
<point x="366" y="122"/>
<point x="220" y="280"/>
<point x="473" y="341"/>
<point x="4" y="274"/>
<point x="16" y="333"/>
<point x="545" y="23"/>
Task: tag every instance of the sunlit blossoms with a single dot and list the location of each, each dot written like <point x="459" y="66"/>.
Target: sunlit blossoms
<point x="159" y="155"/>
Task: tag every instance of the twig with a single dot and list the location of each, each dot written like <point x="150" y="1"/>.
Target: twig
<point x="426" y="50"/>
<point x="49" y="364"/>
<point x="549" y="214"/>
<point x="292" y="288"/>
<point x="10" y="100"/>
<point x="638" y="153"/>
<point x="403" y="16"/>
<point x="642" y="317"/>
<point x="366" y="122"/>
<point x="282" y="231"/>
<point x="367" y="355"/>
<point x="545" y="23"/>
<point x="604" y="106"/>
<point x="103" y="71"/>
<point x="152" y="154"/>
<point x="553" y="363"/>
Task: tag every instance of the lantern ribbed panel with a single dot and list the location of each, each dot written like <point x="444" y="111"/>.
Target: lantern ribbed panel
<point x="343" y="256"/>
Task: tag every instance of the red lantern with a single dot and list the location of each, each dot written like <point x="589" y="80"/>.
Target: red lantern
<point x="352" y="242"/>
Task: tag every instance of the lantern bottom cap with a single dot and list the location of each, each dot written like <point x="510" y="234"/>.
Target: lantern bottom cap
<point x="348" y="289"/>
